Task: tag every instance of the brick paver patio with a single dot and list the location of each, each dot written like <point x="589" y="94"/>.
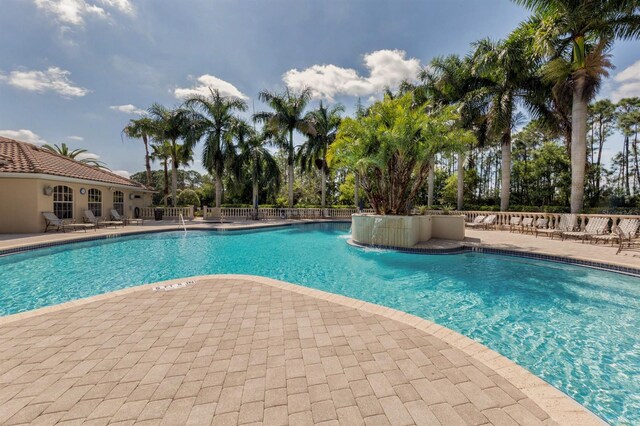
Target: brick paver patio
<point x="238" y="351"/>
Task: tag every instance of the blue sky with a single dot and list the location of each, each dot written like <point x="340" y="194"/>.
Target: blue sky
<point x="76" y="71"/>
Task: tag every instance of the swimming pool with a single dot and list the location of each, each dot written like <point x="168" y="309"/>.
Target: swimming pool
<point x="575" y="327"/>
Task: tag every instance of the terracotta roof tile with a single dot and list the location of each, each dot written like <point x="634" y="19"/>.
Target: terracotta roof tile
<point x="22" y="157"/>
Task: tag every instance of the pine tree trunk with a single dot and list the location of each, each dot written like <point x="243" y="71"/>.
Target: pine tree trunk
<point x="578" y="145"/>
<point x="432" y="165"/>
<point x="461" y="157"/>
<point x="505" y="189"/>
<point x="218" y="184"/>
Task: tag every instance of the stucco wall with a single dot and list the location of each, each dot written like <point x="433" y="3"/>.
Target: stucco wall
<point x="22" y="202"/>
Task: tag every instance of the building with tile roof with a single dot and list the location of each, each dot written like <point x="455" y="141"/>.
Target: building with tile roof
<point x="34" y="180"/>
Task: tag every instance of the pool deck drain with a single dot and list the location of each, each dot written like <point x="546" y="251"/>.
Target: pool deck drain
<point x="242" y="349"/>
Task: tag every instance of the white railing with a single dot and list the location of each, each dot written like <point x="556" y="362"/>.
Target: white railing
<point x="503" y="218"/>
<point x="213" y="213"/>
<point x="168" y="212"/>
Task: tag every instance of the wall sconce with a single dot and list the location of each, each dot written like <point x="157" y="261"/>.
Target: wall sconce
<point x="132" y="196"/>
<point x="47" y="191"/>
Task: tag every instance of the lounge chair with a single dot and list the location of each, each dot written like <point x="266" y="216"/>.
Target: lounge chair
<point x="628" y="227"/>
<point x="126" y="220"/>
<point x="526" y="224"/>
<point x="625" y="239"/>
<point x="486" y="223"/>
<point x="567" y="224"/>
<point x="514" y="223"/>
<point x="477" y="221"/>
<point x="540" y="223"/>
<point x="90" y="218"/>
<point x="52" y="221"/>
<point x="595" y="226"/>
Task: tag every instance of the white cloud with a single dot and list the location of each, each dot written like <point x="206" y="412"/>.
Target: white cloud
<point x="74" y="12"/>
<point x="54" y="79"/>
<point x="87" y="156"/>
<point x="387" y="68"/>
<point x="123" y="173"/>
<point x="628" y="81"/>
<point x="75" y="138"/>
<point x="206" y="82"/>
<point x="128" y="109"/>
<point x="23" y="135"/>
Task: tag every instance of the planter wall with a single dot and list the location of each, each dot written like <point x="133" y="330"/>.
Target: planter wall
<point x="404" y="231"/>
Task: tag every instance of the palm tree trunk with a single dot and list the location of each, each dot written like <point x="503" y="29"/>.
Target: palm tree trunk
<point x="218" y="184"/>
<point x="356" y="189"/>
<point x="147" y="159"/>
<point x="174" y="182"/>
<point x="505" y="189"/>
<point x="255" y="194"/>
<point x="578" y="145"/>
<point x="166" y="181"/>
<point x="461" y="157"/>
<point x="324" y="187"/>
<point x="290" y="168"/>
<point x="432" y="165"/>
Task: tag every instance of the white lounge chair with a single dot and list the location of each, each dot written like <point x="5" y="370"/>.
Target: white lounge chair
<point x="567" y="224"/>
<point x="90" y="218"/>
<point x="514" y="223"/>
<point x="525" y="225"/>
<point x="53" y="221"/>
<point x="486" y="223"/>
<point x="126" y="220"/>
<point x="595" y="226"/>
<point x="477" y="221"/>
<point x="629" y="227"/>
<point x="625" y="240"/>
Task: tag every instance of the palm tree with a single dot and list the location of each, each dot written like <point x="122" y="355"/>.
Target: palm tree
<point x="142" y="128"/>
<point x="64" y="150"/>
<point x="287" y="116"/>
<point x="577" y="35"/>
<point x="450" y="81"/>
<point x="324" y="122"/>
<point x="255" y="157"/>
<point x="162" y="153"/>
<point x="213" y="118"/>
<point x="173" y="126"/>
<point x="508" y="77"/>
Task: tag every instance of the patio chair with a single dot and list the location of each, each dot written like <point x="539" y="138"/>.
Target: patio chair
<point x="514" y="223"/>
<point x="52" y="221"/>
<point x="625" y="240"/>
<point x="526" y="224"/>
<point x="567" y="224"/>
<point x="486" y="223"/>
<point x="595" y="226"/>
<point x="628" y="227"/>
<point x="477" y="221"/>
<point x="126" y="220"/>
<point x="90" y="218"/>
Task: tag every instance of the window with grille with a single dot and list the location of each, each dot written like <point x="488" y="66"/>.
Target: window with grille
<point x="118" y="202"/>
<point x="63" y="202"/>
<point x="95" y="202"/>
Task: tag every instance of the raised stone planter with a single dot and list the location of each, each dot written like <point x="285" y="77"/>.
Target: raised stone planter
<point x="405" y="231"/>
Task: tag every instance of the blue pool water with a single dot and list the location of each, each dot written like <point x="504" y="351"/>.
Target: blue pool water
<point x="575" y="327"/>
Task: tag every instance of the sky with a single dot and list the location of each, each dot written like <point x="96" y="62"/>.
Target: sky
<point x="76" y="71"/>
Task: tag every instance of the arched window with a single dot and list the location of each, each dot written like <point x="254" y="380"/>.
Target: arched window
<point x="95" y="202"/>
<point x="63" y="202"/>
<point x="118" y="202"/>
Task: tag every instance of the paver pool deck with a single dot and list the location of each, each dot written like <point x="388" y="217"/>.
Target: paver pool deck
<point x="251" y="350"/>
<point x="241" y="350"/>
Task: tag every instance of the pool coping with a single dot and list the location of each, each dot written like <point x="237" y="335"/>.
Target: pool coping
<point x="559" y="406"/>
